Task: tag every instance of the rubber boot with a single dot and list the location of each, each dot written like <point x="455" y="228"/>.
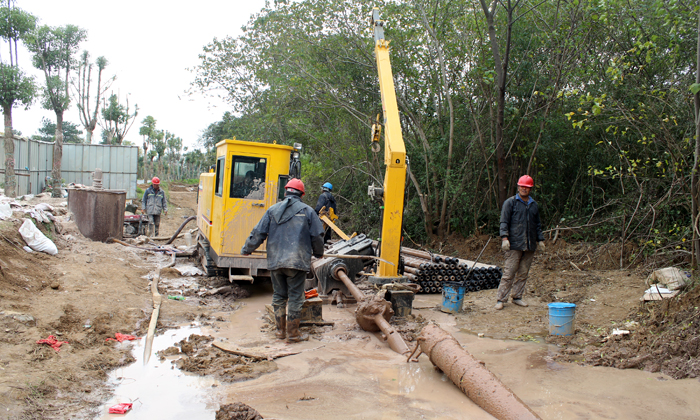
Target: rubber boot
<point x="293" y="334"/>
<point x="281" y="322"/>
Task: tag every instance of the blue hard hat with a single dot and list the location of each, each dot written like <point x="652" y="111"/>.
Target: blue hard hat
<point x="328" y="185"/>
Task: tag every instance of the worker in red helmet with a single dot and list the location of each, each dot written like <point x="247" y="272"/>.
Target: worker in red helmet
<point x="294" y="233"/>
<point x="154" y="203"/>
<point x="521" y="236"/>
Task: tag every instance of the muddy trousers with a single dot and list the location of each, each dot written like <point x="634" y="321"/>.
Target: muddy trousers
<point x="288" y="289"/>
<point x="515" y="272"/>
<point x="153" y="224"/>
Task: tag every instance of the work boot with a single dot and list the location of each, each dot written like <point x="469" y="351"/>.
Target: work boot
<point x="520" y="302"/>
<point x="293" y="334"/>
<point x="281" y="323"/>
<point x="499" y="306"/>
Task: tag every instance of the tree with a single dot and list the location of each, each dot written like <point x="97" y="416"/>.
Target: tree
<point x="53" y="49"/>
<point x="117" y="119"/>
<point x="148" y="131"/>
<point x="15" y="87"/>
<point x="81" y="84"/>
<point x="47" y="132"/>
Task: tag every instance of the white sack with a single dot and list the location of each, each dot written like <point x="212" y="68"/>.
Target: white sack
<point x="35" y="239"/>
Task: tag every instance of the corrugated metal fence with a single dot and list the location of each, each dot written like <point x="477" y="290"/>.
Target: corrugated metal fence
<point x="33" y="161"/>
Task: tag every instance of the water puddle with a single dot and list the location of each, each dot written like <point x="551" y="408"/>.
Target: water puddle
<point x="158" y="390"/>
<point x="344" y="372"/>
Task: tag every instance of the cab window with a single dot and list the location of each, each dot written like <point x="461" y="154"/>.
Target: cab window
<point x="248" y="177"/>
<point x="219" y="188"/>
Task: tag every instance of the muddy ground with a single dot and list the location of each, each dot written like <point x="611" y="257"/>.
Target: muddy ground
<point x="92" y="290"/>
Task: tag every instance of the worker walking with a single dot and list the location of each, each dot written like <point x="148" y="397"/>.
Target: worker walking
<point x="521" y="232"/>
<point x="326" y="200"/>
<point x="153" y="203"/>
<point x="294" y="233"/>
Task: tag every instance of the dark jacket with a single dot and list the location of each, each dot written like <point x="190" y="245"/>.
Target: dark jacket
<point x="326" y="200"/>
<point x="154" y="202"/>
<point x="520" y="223"/>
<point x="293" y="232"/>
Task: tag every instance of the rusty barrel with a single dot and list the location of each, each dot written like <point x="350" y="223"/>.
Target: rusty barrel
<point x="99" y="214"/>
<point x="471" y="376"/>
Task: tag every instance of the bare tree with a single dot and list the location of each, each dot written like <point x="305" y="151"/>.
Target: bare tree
<point x="82" y="87"/>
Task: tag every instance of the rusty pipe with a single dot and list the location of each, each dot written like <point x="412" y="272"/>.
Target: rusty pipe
<point x="392" y="336"/>
<point x="341" y="275"/>
<point x="471" y="376"/>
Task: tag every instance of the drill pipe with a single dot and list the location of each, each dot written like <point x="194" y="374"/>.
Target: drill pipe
<point x="471" y="377"/>
<point x="376" y="312"/>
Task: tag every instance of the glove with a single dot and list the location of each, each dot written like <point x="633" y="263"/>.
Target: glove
<point x="166" y="212"/>
<point x="540" y="245"/>
<point x="505" y="245"/>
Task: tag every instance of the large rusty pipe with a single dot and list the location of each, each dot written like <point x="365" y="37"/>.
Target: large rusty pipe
<point x="393" y="337"/>
<point x="472" y="377"/>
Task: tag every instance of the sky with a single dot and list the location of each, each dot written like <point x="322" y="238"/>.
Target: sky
<point x="149" y="44"/>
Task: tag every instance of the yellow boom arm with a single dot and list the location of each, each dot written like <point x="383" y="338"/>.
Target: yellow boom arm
<point x="394" y="155"/>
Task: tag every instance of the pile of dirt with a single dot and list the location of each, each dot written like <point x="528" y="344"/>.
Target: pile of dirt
<point x="198" y="357"/>
<point x="664" y="337"/>
<point x="237" y="411"/>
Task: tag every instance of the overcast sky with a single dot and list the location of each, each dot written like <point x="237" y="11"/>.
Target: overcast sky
<point x="149" y="45"/>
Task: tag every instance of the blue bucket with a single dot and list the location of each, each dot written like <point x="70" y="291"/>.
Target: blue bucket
<point x="561" y="318"/>
<point x="452" y="297"/>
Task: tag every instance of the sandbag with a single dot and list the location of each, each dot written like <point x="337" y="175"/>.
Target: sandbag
<point x="671" y="277"/>
<point x="35" y="239"/>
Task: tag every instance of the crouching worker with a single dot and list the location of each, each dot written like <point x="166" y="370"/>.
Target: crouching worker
<point x="294" y="233"/>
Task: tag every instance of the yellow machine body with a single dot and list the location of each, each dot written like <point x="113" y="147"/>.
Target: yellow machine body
<point x="229" y="206"/>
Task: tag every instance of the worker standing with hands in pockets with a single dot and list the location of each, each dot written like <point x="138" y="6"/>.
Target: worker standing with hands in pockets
<point x="153" y="203"/>
<point x="521" y="234"/>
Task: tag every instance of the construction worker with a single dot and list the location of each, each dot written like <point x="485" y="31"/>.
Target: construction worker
<point x="521" y="232"/>
<point x="153" y="203"/>
<point x="326" y="200"/>
<point x="283" y="224"/>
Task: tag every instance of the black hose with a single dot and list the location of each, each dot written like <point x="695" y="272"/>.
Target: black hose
<point x="177" y="232"/>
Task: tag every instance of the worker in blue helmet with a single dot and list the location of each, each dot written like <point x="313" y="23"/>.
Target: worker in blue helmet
<point x="326" y="200"/>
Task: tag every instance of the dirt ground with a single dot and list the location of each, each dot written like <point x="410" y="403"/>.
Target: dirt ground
<point x="91" y="290"/>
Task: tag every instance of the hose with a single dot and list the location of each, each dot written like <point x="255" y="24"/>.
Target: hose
<point x="177" y="232"/>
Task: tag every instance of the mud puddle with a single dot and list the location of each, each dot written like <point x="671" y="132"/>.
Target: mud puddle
<point x="159" y="391"/>
<point x="344" y="372"/>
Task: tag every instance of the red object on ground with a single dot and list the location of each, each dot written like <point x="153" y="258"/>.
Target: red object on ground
<point x="120" y="408"/>
<point x="51" y="341"/>
<point x="311" y="293"/>
<point x="121" y="337"/>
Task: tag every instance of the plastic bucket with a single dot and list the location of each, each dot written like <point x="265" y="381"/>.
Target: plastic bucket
<point x="452" y="297"/>
<point x="561" y="318"/>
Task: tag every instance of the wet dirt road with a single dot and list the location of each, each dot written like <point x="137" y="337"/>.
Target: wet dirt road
<point x="348" y="373"/>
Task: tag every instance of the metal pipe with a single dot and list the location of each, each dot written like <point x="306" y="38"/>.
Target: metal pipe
<point x="472" y="377"/>
<point x="354" y="290"/>
<point x="363" y="312"/>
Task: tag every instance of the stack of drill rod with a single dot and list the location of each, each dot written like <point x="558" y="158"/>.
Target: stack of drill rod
<point x="430" y="271"/>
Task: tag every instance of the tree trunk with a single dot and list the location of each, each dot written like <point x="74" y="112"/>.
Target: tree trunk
<point x="145" y="160"/>
<point x="696" y="162"/>
<point x="10" y="177"/>
<point x="88" y="136"/>
<point x="501" y="69"/>
<point x="57" y="156"/>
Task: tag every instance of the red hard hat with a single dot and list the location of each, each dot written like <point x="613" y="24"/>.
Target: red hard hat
<point x="155" y="180"/>
<point x="526" y="181"/>
<point x="296" y="184"/>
